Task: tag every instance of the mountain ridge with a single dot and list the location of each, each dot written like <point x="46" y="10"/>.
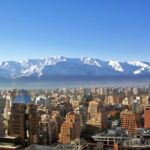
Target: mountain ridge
<point x="60" y="67"/>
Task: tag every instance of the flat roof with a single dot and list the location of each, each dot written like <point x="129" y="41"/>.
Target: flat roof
<point x="137" y="146"/>
<point x="10" y="146"/>
<point x="39" y="147"/>
<point x="67" y="147"/>
<point x="8" y="137"/>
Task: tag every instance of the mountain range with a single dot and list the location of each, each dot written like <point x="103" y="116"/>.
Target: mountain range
<point x="63" y="68"/>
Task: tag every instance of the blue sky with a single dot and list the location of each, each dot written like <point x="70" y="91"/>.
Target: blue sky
<point x="105" y="29"/>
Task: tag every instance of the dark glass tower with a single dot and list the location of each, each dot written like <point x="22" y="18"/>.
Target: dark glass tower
<point x="23" y="120"/>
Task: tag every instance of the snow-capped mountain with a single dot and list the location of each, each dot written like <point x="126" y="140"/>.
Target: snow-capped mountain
<point x="76" y="68"/>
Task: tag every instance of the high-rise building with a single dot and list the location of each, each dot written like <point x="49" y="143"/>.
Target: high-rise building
<point x="97" y="115"/>
<point x="145" y="100"/>
<point x="70" y="129"/>
<point x="147" y="117"/>
<point x="2" y="104"/>
<point x="7" y="108"/>
<point x="23" y="119"/>
<point x="43" y="133"/>
<point x="1" y="126"/>
<point x="136" y="105"/>
<point x="93" y="108"/>
<point x="109" y="100"/>
<point x="6" y="114"/>
<point x="135" y="91"/>
<point x="130" y="121"/>
<point x="8" y="104"/>
<point x="83" y="115"/>
<point x="59" y="120"/>
<point x="47" y="130"/>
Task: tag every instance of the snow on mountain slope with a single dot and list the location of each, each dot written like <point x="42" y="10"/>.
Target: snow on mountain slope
<point x="90" y="61"/>
<point x="62" y="66"/>
<point x="138" y="64"/>
<point x="116" y="66"/>
<point x="10" y="69"/>
<point x="141" y="66"/>
<point x="35" y="66"/>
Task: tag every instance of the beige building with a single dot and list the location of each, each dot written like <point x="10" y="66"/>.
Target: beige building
<point x="145" y="100"/>
<point x="97" y="116"/>
<point x="109" y="100"/>
<point x="70" y="129"/>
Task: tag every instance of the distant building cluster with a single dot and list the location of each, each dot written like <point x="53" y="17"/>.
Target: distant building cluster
<point x="75" y="119"/>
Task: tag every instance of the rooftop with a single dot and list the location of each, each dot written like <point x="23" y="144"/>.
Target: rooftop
<point x="39" y="147"/>
<point x="67" y="147"/>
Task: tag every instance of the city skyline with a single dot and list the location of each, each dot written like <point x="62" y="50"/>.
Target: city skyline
<point x="74" y="74"/>
<point x="108" y="30"/>
<point x="75" y="118"/>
